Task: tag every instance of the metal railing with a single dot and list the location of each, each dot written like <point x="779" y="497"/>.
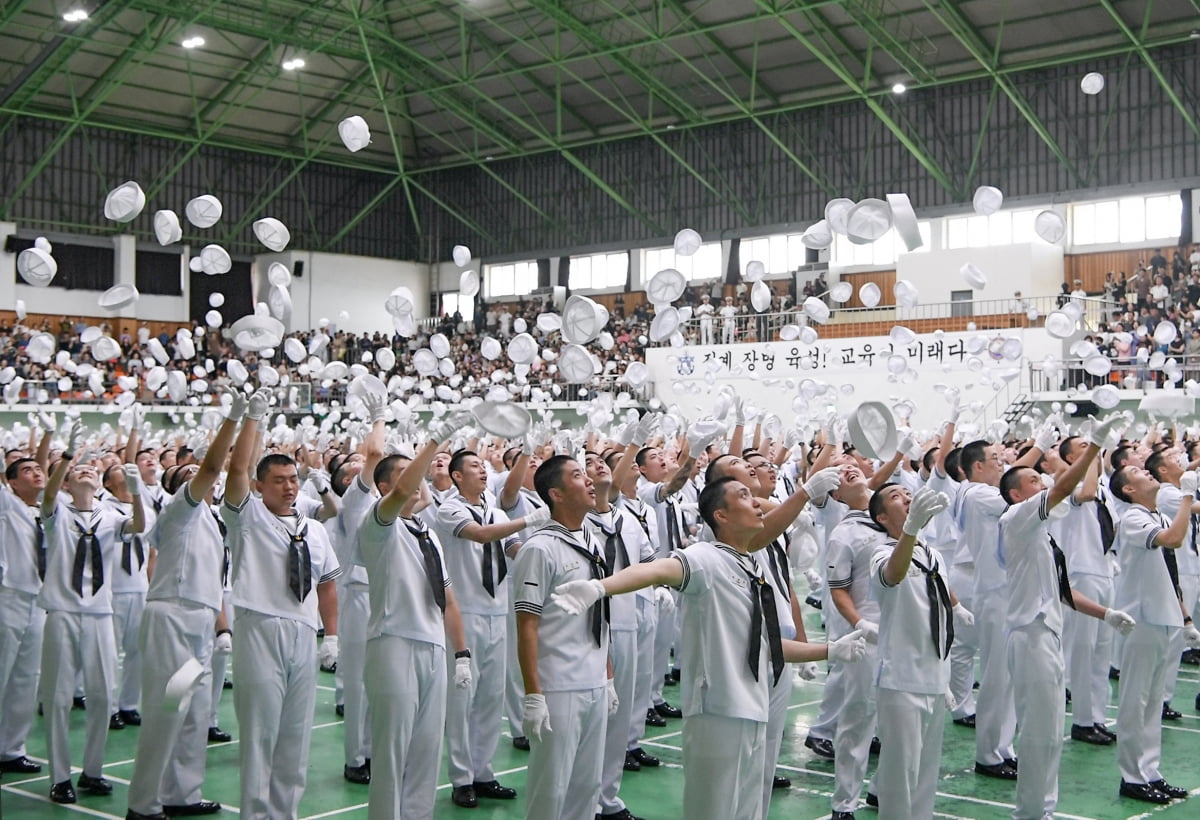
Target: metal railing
<point x="296" y="397"/>
<point x="1127" y="373"/>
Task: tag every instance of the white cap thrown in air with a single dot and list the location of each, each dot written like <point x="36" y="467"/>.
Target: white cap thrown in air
<point x="355" y="133"/>
<point x="204" y="211"/>
<point x="272" y="233"/>
<point x="124" y="202"/>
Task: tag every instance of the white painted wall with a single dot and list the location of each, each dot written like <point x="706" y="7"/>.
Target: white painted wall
<point x="1034" y="269"/>
<point x="777" y="389"/>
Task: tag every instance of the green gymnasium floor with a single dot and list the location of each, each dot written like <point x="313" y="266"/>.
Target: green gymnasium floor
<point x="1088" y="778"/>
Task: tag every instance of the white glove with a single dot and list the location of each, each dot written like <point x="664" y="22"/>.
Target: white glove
<point x="375" y="406"/>
<point x="791" y="438"/>
<point x="73" y="439"/>
<point x="833" y="432"/>
<point x="1191" y="636"/>
<point x="327" y="656"/>
<point x="815" y="582"/>
<point x="237" y="405"/>
<point x="614" y="703"/>
<point x="530" y="442"/>
<point x="963" y="617"/>
<point x="956" y="411"/>
<point x="822" y="483"/>
<point x="462" y="673"/>
<point x="907" y="444"/>
<point x="698" y="443"/>
<point x="576" y="597"/>
<point x="223" y="645"/>
<point x="739" y="411"/>
<point x="869" y="629"/>
<point x="951" y="701"/>
<point x="645" y="428"/>
<point x="133" y="479"/>
<point x="1114" y="564"/>
<point x="1046" y="437"/>
<point x="1106" y="433"/>
<point x="664" y="599"/>
<point x="535" y="717"/>
<point x="259" y="404"/>
<point x="537" y="518"/>
<point x="1120" y="621"/>
<point x="807" y="671"/>
<point x="320" y="481"/>
<point x="848" y="648"/>
<point x="1188" y="483"/>
<point x="925" y="505"/>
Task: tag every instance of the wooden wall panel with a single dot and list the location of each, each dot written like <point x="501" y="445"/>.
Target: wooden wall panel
<point x="1092" y="267"/>
<point x="885" y="279"/>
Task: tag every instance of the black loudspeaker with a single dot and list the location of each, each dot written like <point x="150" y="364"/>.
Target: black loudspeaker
<point x="10" y="243"/>
<point x="298" y="270"/>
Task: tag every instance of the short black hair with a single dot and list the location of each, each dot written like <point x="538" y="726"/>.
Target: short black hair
<point x="954" y="464"/>
<point x="1119" y="456"/>
<point x="386" y="467"/>
<point x="875" y="505"/>
<point x="640" y="458"/>
<point x="710" y="472"/>
<point x="1009" y="481"/>
<point x="272" y="460"/>
<point x="1117" y="482"/>
<point x="549" y="476"/>
<point x="972" y="454"/>
<point x="144" y="450"/>
<point x="14" y="469"/>
<point x="456" y="462"/>
<point x="712" y="498"/>
<point x="336" y="479"/>
<point x="1064" y="446"/>
<point x="1155" y="462"/>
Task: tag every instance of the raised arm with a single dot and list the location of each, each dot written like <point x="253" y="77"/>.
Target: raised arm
<point x="237" y="483"/>
<point x="210" y="468"/>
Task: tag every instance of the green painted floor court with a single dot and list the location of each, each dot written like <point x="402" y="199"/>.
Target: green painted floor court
<point x="1088" y="778"/>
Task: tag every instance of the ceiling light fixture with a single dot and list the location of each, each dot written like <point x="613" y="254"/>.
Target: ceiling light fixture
<point x="75" y="16"/>
<point x="293" y="64"/>
<point x="193" y="42"/>
<point x="899" y="88"/>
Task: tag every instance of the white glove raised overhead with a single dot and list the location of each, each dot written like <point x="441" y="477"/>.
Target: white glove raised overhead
<point x="576" y="597"/>
<point x="237" y="405"/>
<point x="1188" y="482"/>
<point x="320" y="481"/>
<point x="1120" y="621"/>
<point x="535" y="717"/>
<point x="698" y="440"/>
<point x="849" y="648"/>
<point x="537" y="518"/>
<point x="375" y="406"/>
<point x="614" y="703"/>
<point x="1191" y="636"/>
<point x="259" y="404"/>
<point x="73" y="439"/>
<point x="1106" y="433"/>
<point x="1046" y="437"/>
<point x="925" y="504"/>
<point x="327" y="655"/>
<point x="133" y="479"/>
<point x="739" y="411"/>
<point x="223" y="645"/>
<point x="645" y="427"/>
<point x="807" y="671"/>
<point x="463" y="678"/>
<point x="822" y="483"/>
<point x="869" y="629"/>
<point x="963" y="617"/>
<point x="664" y="599"/>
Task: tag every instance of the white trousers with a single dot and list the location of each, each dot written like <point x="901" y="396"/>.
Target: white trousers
<point x="623" y="650"/>
<point x="406" y="684"/>
<point x="1189" y="587"/>
<point x="565" y="765"/>
<point x="1144" y="663"/>
<point x="354" y="610"/>
<point x="172" y="746"/>
<point x="727" y="332"/>
<point x="127" y="626"/>
<point x="910" y="734"/>
<point x="647" y="621"/>
<point x="473" y="714"/>
<point x="514" y="684"/>
<point x="276" y="660"/>
<point x="723" y="761"/>
<point x="706" y="334"/>
<point x="219" y="664"/>
<point x="665" y="634"/>
<point x="995" y="714"/>
<point x="1087" y="646"/>
<point x="777" y="714"/>
<point x="1035" y="660"/>
<point x="966" y="644"/>
<point x="855" y="730"/>
<point x="833" y="700"/>
<point x="22" y="623"/>
<point x="77" y="644"/>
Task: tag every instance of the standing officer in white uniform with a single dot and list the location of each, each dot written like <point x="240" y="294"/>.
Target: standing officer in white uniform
<point x="1037" y="588"/>
<point x="475" y="538"/>
<point x="22" y="568"/>
<point x="413" y="612"/>
<point x="178" y="624"/>
<point x="733" y="651"/>
<point x="1148" y="595"/>
<point x="283" y="572"/>
<point x="82" y="552"/>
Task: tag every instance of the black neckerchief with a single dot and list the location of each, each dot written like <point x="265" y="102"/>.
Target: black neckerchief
<point x="762" y="611"/>
<point x="939" y="600"/>
<point x="595" y="562"/>
<point x="493" y="555"/>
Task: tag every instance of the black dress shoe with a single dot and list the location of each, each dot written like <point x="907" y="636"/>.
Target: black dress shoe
<point x="675" y="673"/>
<point x="1170" y="714"/>
<point x="1191" y="657"/>
<point x="357" y="774"/>
<point x="965" y="720"/>
<point x="781" y="782"/>
<point x="1176" y="792"/>
<point x="227" y="684"/>
<point x="1114" y="673"/>
<point x="1144" y="792"/>
<point x="842" y="815"/>
<point x="218" y="735"/>
<point x="94" y="785"/>
<point x="193" y="809"/>
<point x="631" y="763"/>
<point x="668" y="681"/>
<point x="623" y="814"/>
<point x="873" y="800"/>
<point x="116" y="723"/>
<point x="1000" y="771"/>
<point x="820" y="746"/>
<point x="79" y="703"/>
<point x="1198" y="702"/>
<point x="648" y="761"/>
<point x="1011" y="762"/>
<point x="340" y="710"/>
<point x="667" y="710"/>
<point x="132" y="717"/>
<point x="1068" y="697"/>
<point x="653" y="718"/>
<point x="492" y="789"/>
<point x="1090" y="734"/>
<point x="62" y="792"/>
<point x="464" y="796"/>
<point x="137" y="815"/>
<point x="20" y="765"/>
<point x="1100" y="727"/>
<point x="521" y="742"/>
<point x="815" y="603"/>
<point x="875" y="747"/>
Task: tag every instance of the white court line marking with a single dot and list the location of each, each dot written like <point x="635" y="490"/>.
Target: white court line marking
<point x="75" y="807"/>
<point x="1152" y="812"/>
